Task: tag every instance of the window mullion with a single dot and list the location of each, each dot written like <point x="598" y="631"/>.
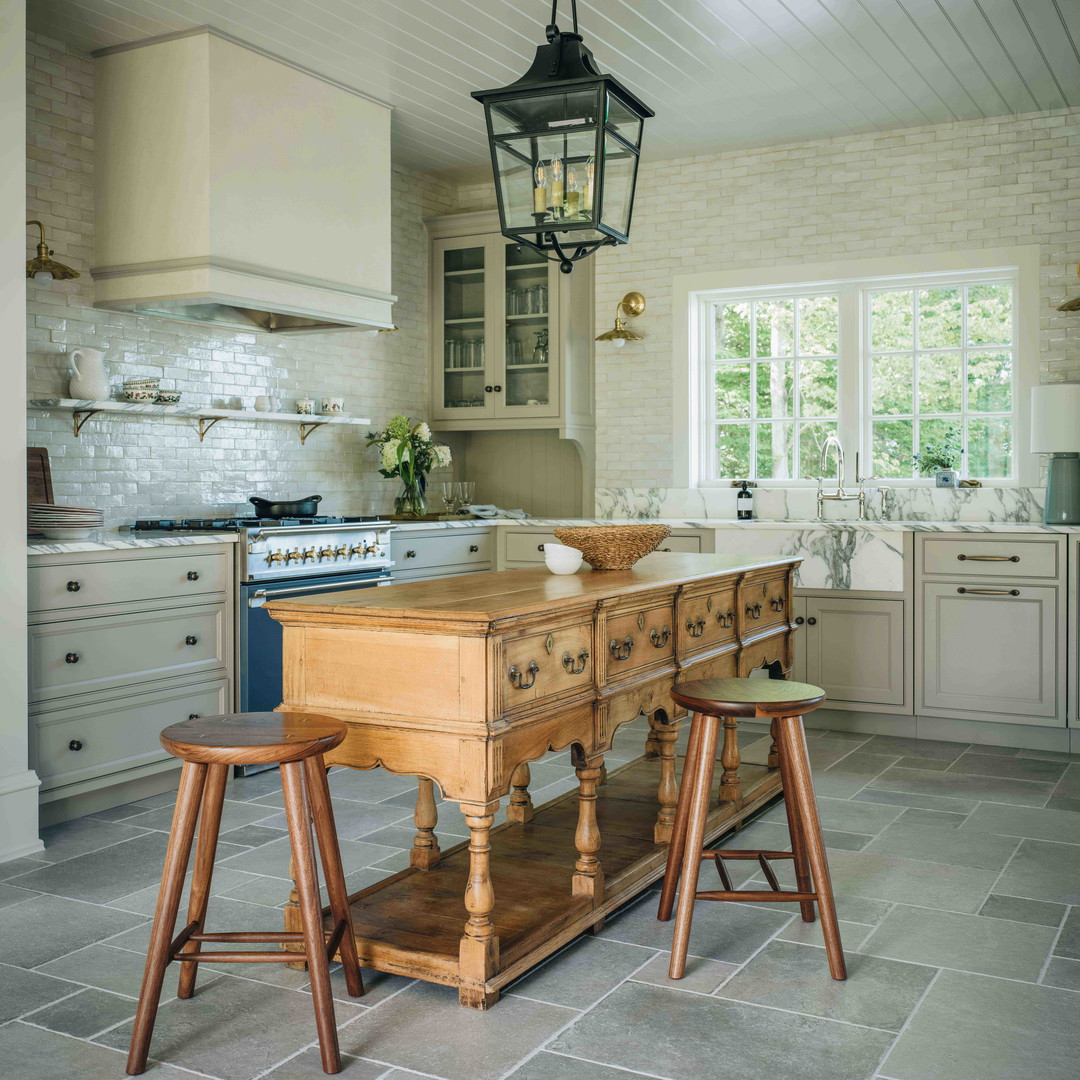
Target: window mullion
<point x="852" y="380"/>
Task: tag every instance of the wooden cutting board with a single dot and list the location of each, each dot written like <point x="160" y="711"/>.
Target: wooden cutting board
<point x="39" y="487"/>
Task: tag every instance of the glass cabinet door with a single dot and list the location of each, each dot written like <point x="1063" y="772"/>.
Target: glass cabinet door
<point x="463" y="315"/>
<point x="530" y="301"/>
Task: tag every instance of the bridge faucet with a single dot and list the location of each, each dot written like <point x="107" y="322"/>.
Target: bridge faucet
<point x="839" y="495"/>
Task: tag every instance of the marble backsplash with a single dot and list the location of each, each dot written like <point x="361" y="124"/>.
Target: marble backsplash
<point x="1016" y="504"/>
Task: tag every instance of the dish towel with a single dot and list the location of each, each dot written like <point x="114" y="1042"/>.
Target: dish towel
<point x="491" y="511"/>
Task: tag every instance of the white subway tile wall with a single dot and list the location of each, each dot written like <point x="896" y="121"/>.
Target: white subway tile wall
<point x="137" y="468"/>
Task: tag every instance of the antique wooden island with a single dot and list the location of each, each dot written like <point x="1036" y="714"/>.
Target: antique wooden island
<point x="464" y="681"/>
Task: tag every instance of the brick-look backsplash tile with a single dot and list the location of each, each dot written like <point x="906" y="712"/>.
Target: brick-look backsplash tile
<point x="157" y="467"/>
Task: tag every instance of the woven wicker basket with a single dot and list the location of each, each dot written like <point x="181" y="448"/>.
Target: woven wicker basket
<point x="613" y="547"/>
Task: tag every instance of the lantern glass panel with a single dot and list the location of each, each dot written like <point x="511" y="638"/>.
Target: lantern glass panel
<point x="540" y="111"/>
<point x="620" y="171"/>
<point x="621" y="118"/>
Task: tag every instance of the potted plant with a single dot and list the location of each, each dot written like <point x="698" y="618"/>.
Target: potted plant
<point x="407" y="450"/>
<point x="940" y="458"/>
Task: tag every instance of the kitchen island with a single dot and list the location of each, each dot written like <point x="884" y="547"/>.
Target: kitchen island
<point x="464" y="681"/>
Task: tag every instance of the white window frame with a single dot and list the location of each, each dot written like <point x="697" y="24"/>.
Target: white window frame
<point x="694" y="293"/>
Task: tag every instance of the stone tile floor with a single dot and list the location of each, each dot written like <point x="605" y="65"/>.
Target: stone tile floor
<point x="957" y="870"/>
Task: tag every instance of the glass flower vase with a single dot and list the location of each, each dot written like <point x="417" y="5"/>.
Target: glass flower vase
<point x="410" y="503"/>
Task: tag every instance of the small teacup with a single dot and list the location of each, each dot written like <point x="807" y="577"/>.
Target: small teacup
<point x="333" y="406"/>
<point x="305" y="406"/>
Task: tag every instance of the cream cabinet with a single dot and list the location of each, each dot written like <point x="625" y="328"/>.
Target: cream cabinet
<point x="122" y="644"/>
<point x="524" y="547"/>
<point x="420" y="554"/>
<point x="511" y="341"/>
<point x="853" y="648"/>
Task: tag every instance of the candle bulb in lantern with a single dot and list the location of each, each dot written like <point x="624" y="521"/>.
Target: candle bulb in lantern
<point x="540" y="191"/>
<point x="587" y="194"/>
<point x="556" y="191"/>
<point x="573" y="195"/>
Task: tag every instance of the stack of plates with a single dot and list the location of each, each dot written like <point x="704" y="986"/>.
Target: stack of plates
<point x="64" y="522"/>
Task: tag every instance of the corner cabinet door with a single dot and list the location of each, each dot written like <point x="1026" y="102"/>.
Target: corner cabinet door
<point x="798" y="641"/>
<point x="992" y="648"/>
<point x="466" y="274"/>
<point x="854" y="649"/>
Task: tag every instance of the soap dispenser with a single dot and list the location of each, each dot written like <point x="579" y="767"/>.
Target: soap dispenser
<point x="744" y="503"/>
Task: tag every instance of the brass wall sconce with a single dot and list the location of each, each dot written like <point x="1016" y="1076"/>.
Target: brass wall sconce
<point x="43" y="269"/>
<point x="1074" y="303"/>
<point x="631" y="306"/>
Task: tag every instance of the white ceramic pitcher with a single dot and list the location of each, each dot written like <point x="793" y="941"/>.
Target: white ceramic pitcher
<point x="90" y="380"/>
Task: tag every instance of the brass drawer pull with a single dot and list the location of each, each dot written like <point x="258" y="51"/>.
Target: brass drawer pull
<point x="753" y="610"/>
<point x="518" y="677"/>
<point x="71" y="658"/>
<point x="570" y="665"/>
<point x="726" y="621"/>
<point x="74" y="586"/>
<point x="988" y="592"/>
<point x="695" y="628"/>
<point x="623" y="651"/>
<point x="193" y="575"/>
<point x="777" y="603"/>
<point x="660" y="638"/>
<point x="191" y="639"/>
<point x="75" y="744"/>
<point x="988" y="558"/>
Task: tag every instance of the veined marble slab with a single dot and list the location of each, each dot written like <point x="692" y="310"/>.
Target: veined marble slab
<point x="121" y="543"/>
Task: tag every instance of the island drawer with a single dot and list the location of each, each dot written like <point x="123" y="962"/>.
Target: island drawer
<point x="636" y="639"/>
<point x="549" y="663"/>
<point x="73" y="585"/>
<point x="97" y="654"/>
<point x="959" y="556"/>
<point x="761" y="604"/>
<point x="706" y="619"/>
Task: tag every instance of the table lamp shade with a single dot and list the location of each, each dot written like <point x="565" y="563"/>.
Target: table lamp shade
<point x="1055" y="418"/>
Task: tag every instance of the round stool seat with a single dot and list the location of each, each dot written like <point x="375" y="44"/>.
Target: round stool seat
<point x="253" y="738"/>
<point x="747" y="697"/>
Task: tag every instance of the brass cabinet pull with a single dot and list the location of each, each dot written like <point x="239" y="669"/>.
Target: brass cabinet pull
<point x="570" y="665"/>
<point x="75" y="744"/>
<point x="695" y="628"/>
<point x="193" y="575"/>
<point x="777" y="603"/>
<point x="518" y="677"/>
<point x="660" y="638"/>
<point x="74" y="586"/>
<point x="753" y="610"/>
<point x="727" y="621"/>
<point x="988" y="558"/>
<point x="191" y="639"/>
<point x="988" y="592"/>
<point x="71" y="658"/>
<point x="623" y="651"/>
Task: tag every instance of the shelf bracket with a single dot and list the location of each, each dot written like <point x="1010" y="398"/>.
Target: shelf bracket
<point x="206" y="423"/>
<point x="79" y="417"/>
<point x="306" y="429"/>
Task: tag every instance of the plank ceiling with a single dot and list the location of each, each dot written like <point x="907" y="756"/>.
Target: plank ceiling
<point x="721" y="74"/>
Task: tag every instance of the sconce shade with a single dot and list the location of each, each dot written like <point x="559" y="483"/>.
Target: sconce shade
<point x="1055" y="418"/>
<point x="44" y="269"/>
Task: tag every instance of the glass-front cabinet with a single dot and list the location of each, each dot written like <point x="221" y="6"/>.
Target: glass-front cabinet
<point x="501" y="322"/>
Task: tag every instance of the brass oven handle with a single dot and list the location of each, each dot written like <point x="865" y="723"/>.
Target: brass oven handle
<point x="988" y="592"/>
<point x="777" y="603"/>
<point x="988" y="558"/>
<point x="753" y="610"/>
<point x="660" y="638"/>
<point x="623" y="651"/>
<point x="726" y="621"/>
<point x="570" y="665"/>
<point x="518" y="677"/>
<point x="695" y="628"/>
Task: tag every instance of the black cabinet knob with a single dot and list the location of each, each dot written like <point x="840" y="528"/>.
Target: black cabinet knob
<point x="498" y="389"/>
<point x="71" y="658"/>
<point x="799" y="620"/>
<point x="194" y="715"/>
<point x="191" y="639"/>
<point x="811" y="621"/>
<point x="474" y="548"/>
<point x="193" y="575"/>
<point x="74" y="586"/>
<point x="410" y="554"/>
<point x="488" y="389"/>
<point x="75" y="744"/>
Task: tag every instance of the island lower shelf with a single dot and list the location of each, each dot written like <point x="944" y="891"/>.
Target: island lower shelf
<point x="409" y="924"/>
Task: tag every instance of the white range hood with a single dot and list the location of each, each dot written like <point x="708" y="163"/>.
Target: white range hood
<point x="236" y="190"/>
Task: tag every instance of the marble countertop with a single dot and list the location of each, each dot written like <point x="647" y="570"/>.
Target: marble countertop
<point x="121" y="542"/>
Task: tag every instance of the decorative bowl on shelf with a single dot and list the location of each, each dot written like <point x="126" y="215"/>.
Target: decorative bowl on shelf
<point x="167" y="397"/>
<point x="613" y="547"/>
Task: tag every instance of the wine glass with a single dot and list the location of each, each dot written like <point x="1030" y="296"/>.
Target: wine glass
<point x="463" y="494"/>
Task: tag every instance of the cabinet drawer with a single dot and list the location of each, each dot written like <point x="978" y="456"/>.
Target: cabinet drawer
<point x="94" y="654"/>
<point x="706" y="619"/>
<point x="527" y="547"/>
<point x="638" y="639"/>
<point x="77" y="744"/>
<point x="455" y="547"/>
<point x="681" y="543"/>
<point x="548" y="663"/>
<point x="762" y="604"/>
<point x="964" y="557"/>
<point x="76" y="585"/>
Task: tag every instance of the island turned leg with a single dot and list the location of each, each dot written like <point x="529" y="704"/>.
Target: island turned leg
<point x="665" y="735"/>
<point x="588" y="870"/>
<point x="425" y="850"/>
<point x="478" y="958"/>
<point x="730" y="785"/>
<point x="520" y="809"/>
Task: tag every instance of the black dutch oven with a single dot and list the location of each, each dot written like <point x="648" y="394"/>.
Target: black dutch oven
<point x="308" y="507"/>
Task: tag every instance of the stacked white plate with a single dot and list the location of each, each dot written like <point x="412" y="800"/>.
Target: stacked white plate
<point x="64" y="522"/>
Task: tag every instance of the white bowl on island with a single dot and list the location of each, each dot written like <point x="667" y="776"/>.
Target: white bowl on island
<point x="561" y="559"/>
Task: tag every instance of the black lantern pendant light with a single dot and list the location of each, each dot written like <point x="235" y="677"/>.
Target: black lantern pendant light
<point x="564" y="148"/>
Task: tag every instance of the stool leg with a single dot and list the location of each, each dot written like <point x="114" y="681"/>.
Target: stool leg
<point x="322" y="811"/>
<point x="700" y="791"/>
<point x="192" y="777"/>
<point x="678" y="830"/>
<point x="205" y="850"/>
<point x="307" y="886"/>
<point x="793" y="748"/>
<point x="797" y="832"/>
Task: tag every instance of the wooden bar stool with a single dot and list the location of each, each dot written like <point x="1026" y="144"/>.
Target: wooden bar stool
<point x="785" y="702"/>
<point x="209" y="747"/>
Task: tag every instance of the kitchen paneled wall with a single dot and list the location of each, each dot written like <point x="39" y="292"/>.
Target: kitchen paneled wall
<point x="139" y="468"/>
<point x="962" y="186"/>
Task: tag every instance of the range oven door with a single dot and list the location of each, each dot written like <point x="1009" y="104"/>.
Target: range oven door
<point x="259" y="675"/>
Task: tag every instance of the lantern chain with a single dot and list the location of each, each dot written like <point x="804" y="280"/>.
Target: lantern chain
<point x="553" y="29"/>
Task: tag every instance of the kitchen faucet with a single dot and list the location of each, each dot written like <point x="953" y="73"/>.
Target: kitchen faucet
<point x="839" y="495"/>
